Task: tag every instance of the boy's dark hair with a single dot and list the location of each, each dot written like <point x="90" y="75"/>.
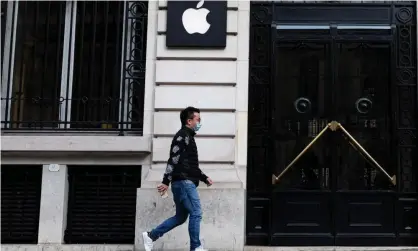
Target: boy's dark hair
<point x="187" y="113"/>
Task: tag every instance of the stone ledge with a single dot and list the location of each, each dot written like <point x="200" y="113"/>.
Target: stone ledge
<point x="115" y="159"/>
<point x="99" y="143"/>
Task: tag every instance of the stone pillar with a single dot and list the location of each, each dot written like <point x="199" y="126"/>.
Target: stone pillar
<point x="53" y="212"/>
<point x="216" y="82"/>
<point x="241" y="106"/>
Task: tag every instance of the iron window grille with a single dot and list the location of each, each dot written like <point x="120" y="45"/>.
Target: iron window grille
<point x="102" y="204"/>
<point x="20" y="204"/>
<point x="74" y="66"/>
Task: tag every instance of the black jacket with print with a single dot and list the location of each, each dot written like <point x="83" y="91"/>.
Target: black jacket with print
<point x="183" y="163"/>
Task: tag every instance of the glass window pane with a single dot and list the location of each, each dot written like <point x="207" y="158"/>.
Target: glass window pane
<point x="3" y="26"/>
<point x="97" y="66"/>
<point x="37" y="70"/>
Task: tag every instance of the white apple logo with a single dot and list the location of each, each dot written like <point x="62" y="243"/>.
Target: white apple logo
<point x="194" y="20"/>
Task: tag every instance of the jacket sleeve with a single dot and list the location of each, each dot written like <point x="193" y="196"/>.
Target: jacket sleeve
<point x="177" y="151"/>
<point x="203" y="177"/>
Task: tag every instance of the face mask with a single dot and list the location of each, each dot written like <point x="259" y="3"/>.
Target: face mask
<point x="197" y="127"/>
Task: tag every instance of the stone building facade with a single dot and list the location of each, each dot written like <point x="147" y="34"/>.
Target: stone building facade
<point x="107" y="131"/>
<point x="215" y="81"/>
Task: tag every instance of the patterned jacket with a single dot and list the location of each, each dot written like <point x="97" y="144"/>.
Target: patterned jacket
<point x="183" y="163"/>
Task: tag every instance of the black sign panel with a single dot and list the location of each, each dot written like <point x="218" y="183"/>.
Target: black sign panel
<point x="200" y="24"/>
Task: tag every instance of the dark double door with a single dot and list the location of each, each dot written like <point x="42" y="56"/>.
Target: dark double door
<point x="334" y="194"/>
<point x="303" y="77"/>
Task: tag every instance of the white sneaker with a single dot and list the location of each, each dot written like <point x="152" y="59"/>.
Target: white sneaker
<point x="200" y="249"/>
<point x="148" y="243"/>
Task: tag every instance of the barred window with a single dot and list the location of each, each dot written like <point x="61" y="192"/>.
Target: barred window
<point x="20" y="203"/>
<point x="102" y="204"/>
<point x="73" y="65"/>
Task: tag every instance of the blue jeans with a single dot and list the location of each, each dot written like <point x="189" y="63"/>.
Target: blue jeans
<point x="187" y="203"/>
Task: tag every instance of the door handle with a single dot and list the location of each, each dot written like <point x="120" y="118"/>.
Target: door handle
<point x="276" y="179"/>
<point x="363" y="151"/>
<point x="334" y="126"/>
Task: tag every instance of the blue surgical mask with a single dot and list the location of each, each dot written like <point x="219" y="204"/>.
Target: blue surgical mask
<point x="197" y="127"/>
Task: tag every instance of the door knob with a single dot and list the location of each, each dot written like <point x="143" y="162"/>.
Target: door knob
<point x="363" y="105"/>
<point x="302" y="105"/>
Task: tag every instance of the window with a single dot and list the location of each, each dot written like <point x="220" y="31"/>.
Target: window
<point x="20" y="203"/>
<point x="73" y="66"/>
<point x="102" y="204"/>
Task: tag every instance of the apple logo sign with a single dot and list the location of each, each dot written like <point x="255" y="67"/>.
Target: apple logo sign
<point x="194" y="20"/>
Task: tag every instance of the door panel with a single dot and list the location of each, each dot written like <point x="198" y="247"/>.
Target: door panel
<point x="300" y="113"/>
<point x="363" y="107"/>
<point x="302" y="215"/>
<point x="359" y="214"/>
<point x="301" y="92"/>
